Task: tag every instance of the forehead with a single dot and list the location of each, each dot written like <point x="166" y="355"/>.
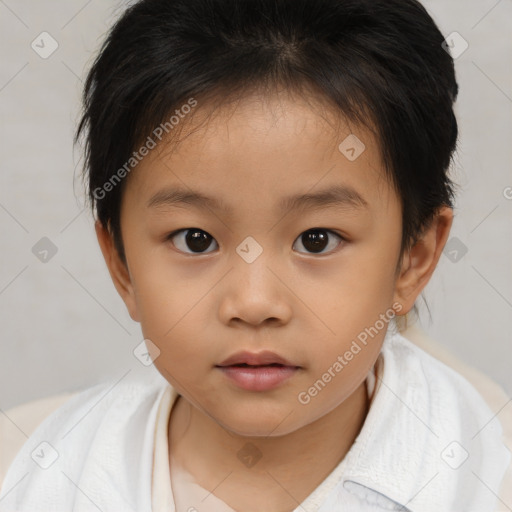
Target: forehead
<point x="262" y="148"/>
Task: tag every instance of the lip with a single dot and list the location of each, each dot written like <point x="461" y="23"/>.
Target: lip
<point x="262" y="371"/>
<point x="258" y="378"/>
<point x="256" y="359"/>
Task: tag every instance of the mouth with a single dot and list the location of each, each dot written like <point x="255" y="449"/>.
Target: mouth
<point x="245" y="365"/>
<point x="257" y="372"/>
<point x="260" y="359"/>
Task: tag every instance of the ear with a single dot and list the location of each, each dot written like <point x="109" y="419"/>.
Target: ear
<point x="118" y="270"/>
<point x="419" y="263"/>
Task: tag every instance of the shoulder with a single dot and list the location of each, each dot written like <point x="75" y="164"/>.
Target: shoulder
<point x="426" y="363"/>
<point x="429" y="441"/>
<point x="18" y="423"/>
<point x="95" y="424"/>
<point x="444" y="394"/>
<point x="464" y="428"/>
<point x="60" y="412"/>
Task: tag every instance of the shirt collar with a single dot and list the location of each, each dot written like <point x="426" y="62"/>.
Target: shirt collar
<point x="429" y="441"/>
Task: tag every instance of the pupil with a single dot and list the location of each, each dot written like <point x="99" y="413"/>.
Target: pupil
<point x="316" y="240"/>
<point x="198" y="239"/>
<point x="313" y="241"/>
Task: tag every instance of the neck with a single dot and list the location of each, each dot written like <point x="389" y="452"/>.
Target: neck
<point x="298" y="461"/>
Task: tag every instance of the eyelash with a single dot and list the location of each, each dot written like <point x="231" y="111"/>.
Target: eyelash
<point x="170" y="236"/>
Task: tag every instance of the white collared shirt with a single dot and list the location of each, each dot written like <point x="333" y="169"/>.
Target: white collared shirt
<point x="429" y="443"/>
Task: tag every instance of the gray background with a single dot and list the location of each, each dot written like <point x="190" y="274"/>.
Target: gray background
<point x="63" y="326"/>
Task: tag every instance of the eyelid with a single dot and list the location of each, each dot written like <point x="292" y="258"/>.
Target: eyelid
<point x="171" y="235"/>
<point x="342" y="237"/>
<point x="327" y="230"/>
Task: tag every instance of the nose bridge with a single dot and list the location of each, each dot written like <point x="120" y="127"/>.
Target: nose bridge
<point x="251" y="262"/>
<point x="253" y="293"/>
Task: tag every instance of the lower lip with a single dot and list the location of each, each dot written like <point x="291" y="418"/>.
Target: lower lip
<point x="258" y="378"/>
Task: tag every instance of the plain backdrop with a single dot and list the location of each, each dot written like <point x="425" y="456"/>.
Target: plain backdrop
<point x="63" y="326"/>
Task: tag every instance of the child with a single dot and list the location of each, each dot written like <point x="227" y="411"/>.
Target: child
<point x="270" y="184"/>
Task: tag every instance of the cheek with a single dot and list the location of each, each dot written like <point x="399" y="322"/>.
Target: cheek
<point x="174" y="315"/>
<point x="354" y="305"/>
<point x="175" y="327"/>
<point x="351" y="293"/>
<point x="342" y="361"/>
<point x="161" y="294"/>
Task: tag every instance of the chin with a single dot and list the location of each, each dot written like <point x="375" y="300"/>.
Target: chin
<point x="260" y="424"/>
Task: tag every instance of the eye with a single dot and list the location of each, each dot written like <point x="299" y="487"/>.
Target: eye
<point x="316" y="239"/>
<point x="195" y="239"/>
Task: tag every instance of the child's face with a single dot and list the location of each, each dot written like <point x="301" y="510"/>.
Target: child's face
<point x="199" y="308"/>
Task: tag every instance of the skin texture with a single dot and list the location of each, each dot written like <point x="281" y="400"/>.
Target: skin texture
<point x="200" y="308"/>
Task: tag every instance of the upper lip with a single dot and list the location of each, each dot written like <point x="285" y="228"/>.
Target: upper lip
<point x="255" y="359"/>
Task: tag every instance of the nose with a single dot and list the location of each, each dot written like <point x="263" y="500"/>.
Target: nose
<point x="254" y="294"/>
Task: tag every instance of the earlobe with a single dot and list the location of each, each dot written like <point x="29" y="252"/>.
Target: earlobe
<point x="117" y="269"/>
<point x="419" y="263"/>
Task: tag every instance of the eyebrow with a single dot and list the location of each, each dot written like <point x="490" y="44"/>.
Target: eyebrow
<point x="339" y="195"/>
